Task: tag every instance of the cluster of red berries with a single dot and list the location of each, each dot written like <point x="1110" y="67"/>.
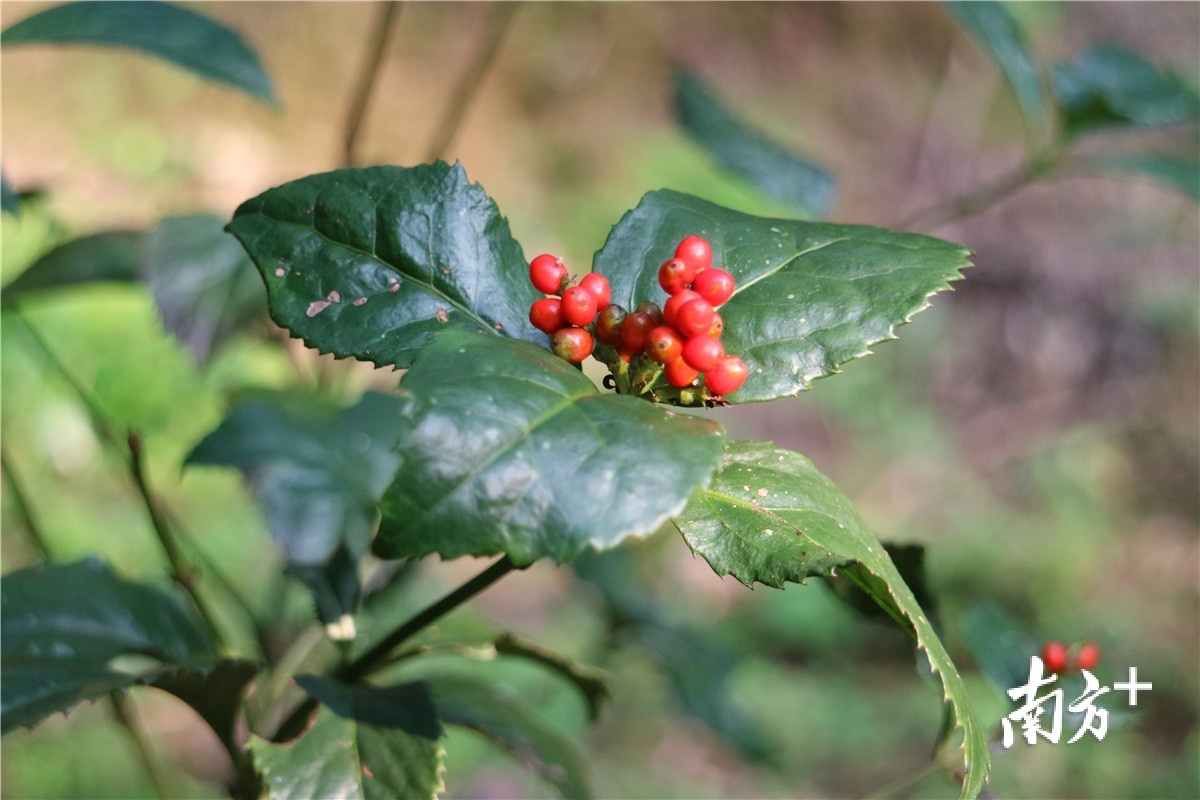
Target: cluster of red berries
<point x="568" y="311"/>
<point x="682" y="337"/>
<point x="1058" y="658"/>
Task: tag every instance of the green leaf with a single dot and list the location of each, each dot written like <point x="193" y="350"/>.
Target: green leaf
<point x="173" y="33"/>
<point x="205" y="286"/>
<point x="371" y="263"/>
<point x="770" y="517"/>
<point x="335" y="588"/>
<point x="65" y="623"/>
<point x="488" y="710"/>
<point x="748" y="153"/>
<point x="317" y="470"/>
<point x="1001" y="37"/>
<point x="111" y="256"/>
<point x="509" y="449"/>
<point x="1182" y="175"/>
<point x="909" y="560"/>
<point x="366" y="742"/>
<point x="1108" y="86"/>
<point x="811" y="295"/>
<point x="1001" y="647"/>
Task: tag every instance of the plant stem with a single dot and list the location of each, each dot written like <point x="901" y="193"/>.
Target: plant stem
<point x="972" y="203"/>
<point x="366" y="83"/>
<point x="36" y="538"/>
<point x="141" y="744"/>
<point x="181" y="571"/>
<point x="495" y="28"/>
<point x="378" y="655"/>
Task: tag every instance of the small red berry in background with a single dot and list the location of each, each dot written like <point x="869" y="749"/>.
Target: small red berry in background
<point x="1087" y="657"/>
<point x="694" y="318"/>
<point x="653" y="310"/>
<point x="674" y="303"/>
<point x="727" y="376"/>
<point x="547" y="273"/>
<point x="663" y="344"/>
<point x="674" y="275"/>
<point x="697" y="252"/>
<point x="679" y="374"/>
<point x="546" y="315"/>
<point x="608" y="324"/>
<point x="572" y="344"/>
<point x="714" y="285"/>
<point x="636" y="329"/>
<point x="1055" y="656"/>
<point x="579" y="306"/>
<point x="718" y="326"/>
<point x="702" y="352"/>
<point x="597" y="284"/>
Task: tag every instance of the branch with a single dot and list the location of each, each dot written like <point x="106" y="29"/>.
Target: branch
<point x="388" y="12"/>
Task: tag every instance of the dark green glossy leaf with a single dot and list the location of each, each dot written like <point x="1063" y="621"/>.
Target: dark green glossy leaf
<point x="512" y="450"/>
<point x="1109" y="86"/>
<point x="366" y="742"/>
<point x="1176" y="172"/>
<point x="10" y="201"/>
<point x="506" y="722"/>
<point x="317" y="470"/>
<point x="111" y="256"/>
<point x="811" y="295"/>
<point x="205" y="286"/>
<point x="1001" y="648"/>
<point x="64" y="624"/>
<point x="334" y="586"/>
<point x="216" y="695"/>
<point x="771" y="517"/>
<point x="748" y="153"/>
<point x="1001" y="37"/>
<point x="170" y="32"/>
<point x="371" y="263"/>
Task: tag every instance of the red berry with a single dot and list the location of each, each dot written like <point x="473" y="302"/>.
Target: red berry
<point x="671" y="307"/>
<point x="674" y="275"/>
<point x="1055" y="656"/>
<point x="572" y="344"/>
<point x="714" y="285"/>
<point x="597" y="284"/>
<point x="702" y="352"/>
<point x="578" y="306"/>
<point x="546" y="315"/>
<point x="694" y="318"/>
<point x="718" y="326"/>
<point x="727" y="376"/>
<point x="547" y="273"/>
<point x="697" y="252"/>
<point x="635" y="330"/>
<point x="663" y="344"/>
<point x="1087" y="657"/>
<point x="653" y="310"/>
<point x="679" y="374"/>
<point x="608" y="324"/>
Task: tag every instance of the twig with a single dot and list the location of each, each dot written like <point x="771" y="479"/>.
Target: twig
<point x="388" y="12"/>
<point x="495" y="28"/>
<point x="36" y="538"/>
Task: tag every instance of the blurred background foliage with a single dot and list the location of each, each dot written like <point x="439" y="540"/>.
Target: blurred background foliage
<point x="1036" y="429"/>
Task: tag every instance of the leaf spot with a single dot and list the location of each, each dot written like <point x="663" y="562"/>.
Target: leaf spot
<point x="442" y="316"/>
<point x="366" y="771"/>
<point x="280" y="272"/>
<point x="745" y="488"/>
<point x="499" y="327"/>
<point x="447" y="271"/>
<point x="316" y="307"/>
<point x="334" y="296"/>
<point x="762" y="492"/>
